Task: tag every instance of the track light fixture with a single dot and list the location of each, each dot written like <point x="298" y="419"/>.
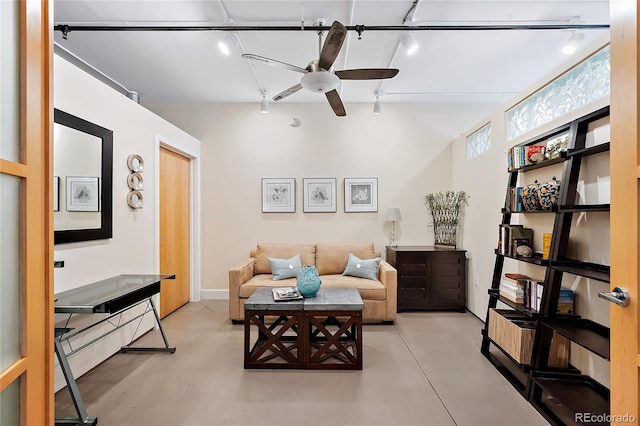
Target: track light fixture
<point x="229" y="43"/>
<point x="570" y="47"/>
<point x="409" y="43"/>
<point x="377" y="105"/>
<point x="264" y="104"/>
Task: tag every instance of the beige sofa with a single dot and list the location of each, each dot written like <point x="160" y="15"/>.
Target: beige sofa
<point x="330" y="260"/>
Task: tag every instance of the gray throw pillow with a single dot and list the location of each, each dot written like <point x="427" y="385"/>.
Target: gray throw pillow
<point x="285" y="268"/>
<point x="367" y="268"/>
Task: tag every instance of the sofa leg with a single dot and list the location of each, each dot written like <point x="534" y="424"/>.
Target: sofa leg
<point x="237" y="322"/>
<point x="387" y="322"/>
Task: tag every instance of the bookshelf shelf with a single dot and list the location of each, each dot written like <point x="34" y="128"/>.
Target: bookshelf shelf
<point x="586" y="333"/>
<point x="558" y="393"/>
<point x="584" y="269"/>
<point x="585" y="208"/>
<point x="520" y="307"/>
<point x="545" y="163"/>
<point x="536" y="259"/>
<point x="575" y="393"/>
<point x="604" y="147"/>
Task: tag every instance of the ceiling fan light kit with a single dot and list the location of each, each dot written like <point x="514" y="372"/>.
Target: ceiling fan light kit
<point x="320" y="81"/>
<point x="318" y="75"/>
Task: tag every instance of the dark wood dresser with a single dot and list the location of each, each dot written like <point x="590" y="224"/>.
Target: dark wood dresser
<point x="429" y="277"/>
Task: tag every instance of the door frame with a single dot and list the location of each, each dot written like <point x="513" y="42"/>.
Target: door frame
<point x="194" y="207"/>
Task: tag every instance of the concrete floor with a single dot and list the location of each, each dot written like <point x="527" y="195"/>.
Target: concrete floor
<point x="424" y="370"/>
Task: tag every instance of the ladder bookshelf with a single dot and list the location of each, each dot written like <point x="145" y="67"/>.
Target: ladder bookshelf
<point x="557" y="393"/>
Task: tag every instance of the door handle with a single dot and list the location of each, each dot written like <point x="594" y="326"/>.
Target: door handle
<point x="620" y="296"/>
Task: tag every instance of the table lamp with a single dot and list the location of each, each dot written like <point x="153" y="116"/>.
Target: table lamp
<point x="393" y="216"/>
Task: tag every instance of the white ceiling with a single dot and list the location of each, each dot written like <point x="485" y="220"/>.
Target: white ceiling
<point x="450" y="66"/>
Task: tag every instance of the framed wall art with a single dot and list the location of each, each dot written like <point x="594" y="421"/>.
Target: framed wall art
<point x="278" y="195"/>
<point x="360" y="195"/>
<point x="83" y="194"/>
<point x="56" y="193"/>
<point x="319" y="195"/>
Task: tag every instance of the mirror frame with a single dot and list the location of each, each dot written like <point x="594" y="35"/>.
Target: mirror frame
<point x="106" y="214"/>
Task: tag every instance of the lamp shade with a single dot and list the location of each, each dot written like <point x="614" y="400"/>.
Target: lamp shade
<point x="393" y="215"/>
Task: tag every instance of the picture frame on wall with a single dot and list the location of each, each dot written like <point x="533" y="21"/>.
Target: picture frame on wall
<point x="360" y="195"/>
<point x="278" y="195"/>
<point x="56" y="193"/>
<point x="83" y="194"/>
<point x="319" y="195"/>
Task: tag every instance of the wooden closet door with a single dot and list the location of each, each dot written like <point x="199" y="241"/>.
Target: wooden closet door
<point x="174" y="230"/>
<point x="625" y="171"/>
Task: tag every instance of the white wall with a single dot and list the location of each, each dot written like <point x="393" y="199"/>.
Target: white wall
<point x="406" y="148"/>
<point x="133" y="246"/>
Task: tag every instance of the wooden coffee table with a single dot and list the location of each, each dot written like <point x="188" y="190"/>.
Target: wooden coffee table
<point x="322" y="332"/>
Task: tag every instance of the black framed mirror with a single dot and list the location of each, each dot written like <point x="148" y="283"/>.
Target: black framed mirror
<point x="83" y="169"/>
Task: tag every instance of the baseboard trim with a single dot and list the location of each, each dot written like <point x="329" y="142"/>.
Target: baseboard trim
<point x="214" y="294"/>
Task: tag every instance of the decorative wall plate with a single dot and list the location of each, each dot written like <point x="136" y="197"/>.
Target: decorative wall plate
<point x="135" y="163"/>
<point x="135" y="181"/>
<point x="134" y="199"/>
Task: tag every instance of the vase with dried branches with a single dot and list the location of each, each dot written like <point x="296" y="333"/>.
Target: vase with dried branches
<point x="447" y="209"/>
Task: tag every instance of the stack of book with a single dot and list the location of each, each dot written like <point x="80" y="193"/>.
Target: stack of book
<point x="520" y="156"/>
<point x="565" y="301"/>
<point x="513" y="287"/>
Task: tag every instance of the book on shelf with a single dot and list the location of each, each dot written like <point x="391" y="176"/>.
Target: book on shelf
<point x="286" y="293"/>
<point x="534" y="289"/>
<point x="533" y="154"/>
<point x="546" y="246"/>
<point x="565" y="301"/>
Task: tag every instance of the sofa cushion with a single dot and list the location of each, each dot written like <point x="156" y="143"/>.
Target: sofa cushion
<point x="263" y="280"/>
<point x="368" y="289"/>
<point x="362" y="268"/>
<point x="281" y="251"/>
<point x="332" y="258"/>
<point x="285" y="268"/>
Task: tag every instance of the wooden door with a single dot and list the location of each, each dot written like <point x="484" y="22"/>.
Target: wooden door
<point x="174" y="230"/>
<point x="26" y="214"/>
<point x="625" y="171"/>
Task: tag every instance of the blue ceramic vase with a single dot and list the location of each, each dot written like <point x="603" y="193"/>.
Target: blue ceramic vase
<point x="308" y="281"/>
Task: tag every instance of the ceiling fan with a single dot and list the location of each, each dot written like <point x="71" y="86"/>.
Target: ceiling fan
<point x="319" y="77"/>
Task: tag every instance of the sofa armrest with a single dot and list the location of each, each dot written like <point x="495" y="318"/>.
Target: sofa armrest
<point x="238" y="276"/>
<point x="388" y="276"/>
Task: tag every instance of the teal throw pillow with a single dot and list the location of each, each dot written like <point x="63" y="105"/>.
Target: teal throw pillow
<point x="367" y="268"/>
<point x="285" y="268"/>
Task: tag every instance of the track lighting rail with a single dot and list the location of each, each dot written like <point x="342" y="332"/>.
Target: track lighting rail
<point x="66" y="28"/>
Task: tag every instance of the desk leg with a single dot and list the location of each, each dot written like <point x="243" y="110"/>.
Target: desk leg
<point x="83" y="418"/>
<point x="167" y="348"/>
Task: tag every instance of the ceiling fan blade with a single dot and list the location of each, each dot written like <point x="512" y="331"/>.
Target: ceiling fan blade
<point x="274" y="63"/>
<point x="332" y="45"/>
<point x="290" y="91"/>
<point x="367" y="73"/>
<point x="336" y="103"/>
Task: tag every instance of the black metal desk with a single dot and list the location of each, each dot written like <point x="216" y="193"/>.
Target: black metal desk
<point x="111" y="296"/>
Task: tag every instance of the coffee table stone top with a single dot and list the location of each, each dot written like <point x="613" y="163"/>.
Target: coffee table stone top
<point x="327" y="299"/>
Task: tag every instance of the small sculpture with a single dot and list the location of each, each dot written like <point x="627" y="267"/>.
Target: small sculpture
<point x="524" y="251"/>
